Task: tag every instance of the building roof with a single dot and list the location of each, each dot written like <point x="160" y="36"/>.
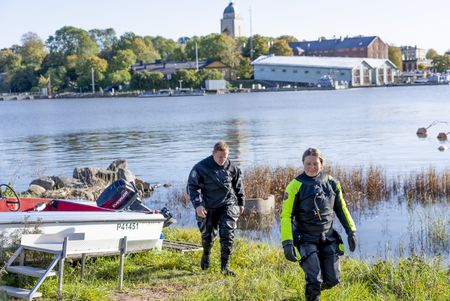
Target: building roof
<point x="171" y="67"/>
<point x="322" y="44"/>
<point x="320" y="61"/>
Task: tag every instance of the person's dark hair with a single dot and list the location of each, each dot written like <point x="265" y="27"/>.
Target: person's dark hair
<point x="221" y="146"/>
<point x="313" y="152"/>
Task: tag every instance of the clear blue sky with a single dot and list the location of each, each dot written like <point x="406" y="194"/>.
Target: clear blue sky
<point x="400" y="22"/>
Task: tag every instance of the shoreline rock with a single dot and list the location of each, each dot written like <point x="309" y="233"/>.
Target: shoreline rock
<point x="87" y="182"/>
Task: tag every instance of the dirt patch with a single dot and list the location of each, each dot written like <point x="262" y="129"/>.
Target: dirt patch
<point x="161" y="292"/>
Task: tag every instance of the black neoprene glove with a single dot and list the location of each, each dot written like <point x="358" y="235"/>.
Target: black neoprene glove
<point x="289" y="250"/>
<point x="352" y="241"/>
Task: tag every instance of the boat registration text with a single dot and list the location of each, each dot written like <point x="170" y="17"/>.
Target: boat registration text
<point x="127" y="226"/>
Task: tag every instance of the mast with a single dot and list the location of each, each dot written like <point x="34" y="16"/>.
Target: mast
<point x="93" y="81"/>
<point x="49" y="86"/>
<point x="251" y="35"/>
<point x="196" y="55"/>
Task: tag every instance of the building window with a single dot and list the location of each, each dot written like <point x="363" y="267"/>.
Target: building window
<point x="283" y="70"/>
<point x="380" y="76"/>
<point x="318" y="72"/>
<point x="306" y="71"/>
<point x="366" y="76"/>
<point x="295" y="71"/>
<point x="273" y="70"/>
<point x="342" y="73"/>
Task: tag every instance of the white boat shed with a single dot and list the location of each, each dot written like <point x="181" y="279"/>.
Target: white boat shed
<point x="357" y="72"/>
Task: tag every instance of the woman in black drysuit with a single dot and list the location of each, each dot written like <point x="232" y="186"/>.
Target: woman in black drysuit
<point x="310" y="203"/>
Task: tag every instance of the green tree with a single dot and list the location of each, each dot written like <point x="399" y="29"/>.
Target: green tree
<point x="23" y="80"/>
<point x="189" y="79"/>
<point x="123" y="59"/>
<point x="60" y="81"/>
<point x="245" y="69"/>
<point x="281" y="47"/>
<point x="441" y="63"/>
<point x="84" y="70"/>
<point x="431" y="54"/>
<point x="9" y="61"/>
<point x="217" y="46"/>
<point x="144" y="51"/>
<point x="165" y="47"/>
<point x="395" y="56"/>
<point x="178" y="54"/>
<point x="142" y="48"/>
<point x="288" y="38"/>
<point x="260" y="46"/>
<point x="104" y="38"/>
<point x="421" y="67"/>
<point x="147" y="81"/>
<point x="119" y="77"/>
<point x="32" y="51"/>
<point x="70" y="40"/>
<point x="204" y="74"/>
<point x="119" y="67"/>
<point x="190" y="46"/>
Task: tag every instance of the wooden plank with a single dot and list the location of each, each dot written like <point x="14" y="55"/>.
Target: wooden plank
<point x="181" y="246"/>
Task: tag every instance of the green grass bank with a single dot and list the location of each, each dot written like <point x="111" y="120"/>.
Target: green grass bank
<point x="262" y="274"/>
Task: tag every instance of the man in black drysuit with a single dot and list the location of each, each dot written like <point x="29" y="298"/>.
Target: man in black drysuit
<point x="216" y="191"/>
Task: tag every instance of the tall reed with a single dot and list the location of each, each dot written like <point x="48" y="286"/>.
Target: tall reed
<point x="427" y="186"/>
<point x="362" y="187"/>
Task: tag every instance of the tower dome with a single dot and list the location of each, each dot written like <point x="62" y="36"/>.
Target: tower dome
<point x="231" y="23"/>
<point x="229" y="10"/>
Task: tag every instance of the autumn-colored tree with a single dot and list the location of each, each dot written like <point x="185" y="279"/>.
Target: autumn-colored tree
<point x="281" y="47"/>
<point x="395" y="56"/>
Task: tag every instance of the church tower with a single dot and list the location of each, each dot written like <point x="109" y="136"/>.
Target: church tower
<point x="231" y="23"/>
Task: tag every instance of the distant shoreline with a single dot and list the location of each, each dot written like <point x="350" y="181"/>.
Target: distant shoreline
<point x="68" y="95"/>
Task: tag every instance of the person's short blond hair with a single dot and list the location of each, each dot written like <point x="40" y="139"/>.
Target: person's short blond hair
<point x="312" y="151"/>
<point x="221" y="146"/>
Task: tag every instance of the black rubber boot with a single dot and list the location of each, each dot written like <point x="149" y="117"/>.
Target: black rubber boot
<point x="206" y="254"/>
<point x="227" y="272"/>
<point x="205" y="261"/>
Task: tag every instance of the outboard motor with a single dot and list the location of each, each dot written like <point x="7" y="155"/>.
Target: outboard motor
<point x="120" y="195"/>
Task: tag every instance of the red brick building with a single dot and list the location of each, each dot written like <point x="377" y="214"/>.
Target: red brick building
<point x="364" y="47"/>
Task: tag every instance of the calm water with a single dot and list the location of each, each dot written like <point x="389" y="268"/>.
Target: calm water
<point x="163" y="137"/>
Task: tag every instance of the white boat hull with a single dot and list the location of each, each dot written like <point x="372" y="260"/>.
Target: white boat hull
<point x="95" y="225"/>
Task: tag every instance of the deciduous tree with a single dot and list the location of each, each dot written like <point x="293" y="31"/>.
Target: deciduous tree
<point x="9" y="61"/>
<point x="281" y="47"/>
<point x="431" y="54"/>
<point x="70" y="40"/>
<point x="148" y="81"/>
<point x="245" y="70"/>
<point x="441" y="63"/>
<point x="33" y="50"/>
<point x="395" y="56"/>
